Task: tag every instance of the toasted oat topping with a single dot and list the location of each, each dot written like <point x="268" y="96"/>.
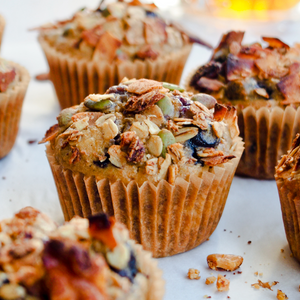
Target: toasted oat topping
<point x="84" y="258"/>
<point x="120" y="31"/>
<point x="251" y="72"/>
<point x="141" y="120"/>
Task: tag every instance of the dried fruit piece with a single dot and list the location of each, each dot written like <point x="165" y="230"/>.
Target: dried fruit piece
<point x="193" y="274"/>
<point x="228" y="262"/>
<point x="222" y="284"/>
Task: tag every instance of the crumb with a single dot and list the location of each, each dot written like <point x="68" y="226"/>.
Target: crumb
<point x="224" y="229"/>
<point x="282" y="250"/>
<point x="42" y="77"/>
<point x="265" y="285"/>
<point x="281" y="295"/>
<point x="256" y="273"/>
<point x="239" y="236"/>
<point x="3" y="177"/>
<point x="261" y="274"/>
<point x="206" y="297"/>
<point x="240" y="272"/>
<point x="225" y="275"/>
<point x="249" y="242"/>
<point x="31" y="141"/>
<point x="222" y="284"/>
<point x="10" y="200"/>
<point x="228" y="297"/>
<point x="193" y="274"/>
<point x="230" y="231"/>
<point x="210" y="280"/>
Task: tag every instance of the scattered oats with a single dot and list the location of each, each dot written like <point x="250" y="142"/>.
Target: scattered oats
<point x="193" y="274"/>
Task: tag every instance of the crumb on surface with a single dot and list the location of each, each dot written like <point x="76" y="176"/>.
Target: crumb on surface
<point x="281" y="295"/>
<point x="210" y="280"/>
<point x="222" y="284"/>
<point x="249" y="242"/>
<point x="255" y="273"/>
<point x="265" y="285"/>
<point x="206" y="297"/>
<point x="282" y="250"/>
<point x="261" y="274"/>
<point x="193" y="274"/>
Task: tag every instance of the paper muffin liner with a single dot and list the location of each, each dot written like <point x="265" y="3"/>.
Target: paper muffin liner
<point x="11" y="103"/>
<point x="2" y="25"/>
<point x="268" y="134"/>
<point x="289" y="195"/>
<point x="148" y="266"/>
<point x="74" y="78"/>
<point x="166" y="219"/>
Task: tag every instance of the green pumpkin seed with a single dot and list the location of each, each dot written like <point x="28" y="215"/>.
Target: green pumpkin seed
<point x="173" y="87"/>
<point x="65" y="117"/>
<point x="166" y="106"/>
<point x="100" y="105"/>
<point x="167" y="138"/>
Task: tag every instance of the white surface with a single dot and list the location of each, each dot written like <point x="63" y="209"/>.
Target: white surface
<point x="252" y="210"/>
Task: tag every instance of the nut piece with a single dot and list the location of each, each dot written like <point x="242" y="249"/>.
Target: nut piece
<point x="281" y="295"/>
<point x="228" y="262"/>
<point x="193" y="274"/>
<point x="155" y="145"/>
<point x="185" y="133"/>
<point x="116" y="156"/>
<point x="210" y="280"/>
<point x="222" y="284"/>
<point x="136" y="151"/>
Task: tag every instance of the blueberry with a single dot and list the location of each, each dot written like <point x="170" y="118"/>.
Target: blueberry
<point x="205" y="138"/>
<point x="101" y="164"/>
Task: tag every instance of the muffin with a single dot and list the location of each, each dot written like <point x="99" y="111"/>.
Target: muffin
<point x="2" y="25"/>
<point x="262" y="83"/>
<point x="157" y="158"/>
<point x="288" y="183"/>
<point x="82" y="259"/>
<point x="14" y="80"/>
<point x="95" y="49"/>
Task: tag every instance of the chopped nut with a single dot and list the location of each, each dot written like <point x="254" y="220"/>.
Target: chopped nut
<point x="222" y="284"/>
<point x="126" y="138"/>
<point x="217" y="160"/>
<point x="185" y="134"/>
<point x="116" y="156"/>
<point x="281" y="295"/>
<point x="176" y="152"/>
<point x="141" y="129"/>
<point x="155" y="145"/>
<point x="136" y="151"/>
<point x="152" y="166"/>
<point x="210" y="280"/>
<point x="209" y="152"/>
<point x="228" y="262"/>
<point x="193" y="274"/>
<point x="110" y="129"/>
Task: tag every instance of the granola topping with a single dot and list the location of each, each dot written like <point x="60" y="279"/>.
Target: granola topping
<point x="134" y="130"/>
<point x="251" y="72"/>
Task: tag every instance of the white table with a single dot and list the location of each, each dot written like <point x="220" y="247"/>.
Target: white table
<point x="252" y="212"/>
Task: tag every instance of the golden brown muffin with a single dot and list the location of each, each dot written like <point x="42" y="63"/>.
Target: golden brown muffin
<point x="157" y="158"/>
<point x="262" y="83"/>
<point x="82" y="259"/>
<point x="95" y="49"/>
<point x="14" y="80"/>
<point x="287" y="177"/>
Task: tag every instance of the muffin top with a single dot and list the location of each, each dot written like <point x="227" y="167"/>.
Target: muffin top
<point x="120" y="31"/>
<point x="7" y="75"/>
<point x="248" y="73"/>
<point x="289" y="165"/>
<point x="144" y="130"/>
<point x="82" y="259"/>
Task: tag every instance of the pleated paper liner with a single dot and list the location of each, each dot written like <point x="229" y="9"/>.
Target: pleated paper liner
<point x="268" y="134"/>
<point x="2" y="25"/>
<point x="74" y="78"/>
<point x="166" y="219"/>
<point x="155" y="288"/>
<point x="11" y="103"/>
<point x="289" y="194"/>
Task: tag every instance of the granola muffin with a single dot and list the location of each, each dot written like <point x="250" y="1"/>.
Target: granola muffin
<point x="2" y="25"/>
<point x="288" y="183"/>
<point x="157" y="158"/>
<point x="95" y="49"/>
<point x="14" y="80"/>
<point x="263" y="84"/>
<point x="82" y="259"/>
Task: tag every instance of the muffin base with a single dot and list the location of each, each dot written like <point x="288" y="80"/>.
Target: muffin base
<point x="11" y="103"/>
<point x="75" y="78"/>
<point x="166" y="219"/>
<point x="289" y="195"/>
